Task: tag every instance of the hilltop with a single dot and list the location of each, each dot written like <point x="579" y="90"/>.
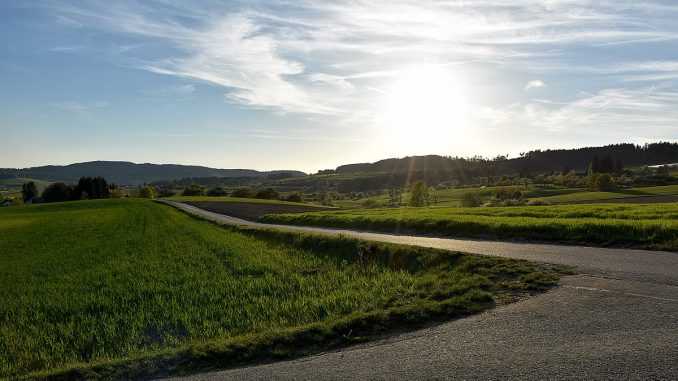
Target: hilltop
<point x="127" y="173"/>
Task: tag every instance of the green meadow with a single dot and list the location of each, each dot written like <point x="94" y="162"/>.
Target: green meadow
<point x="640" y="225"/>
<point x="125" y="288"/>
<point x="553" y="194"/>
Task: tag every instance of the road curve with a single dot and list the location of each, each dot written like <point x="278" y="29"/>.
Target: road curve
<point x="617" y="320"/>
<point x="638" y="265"/>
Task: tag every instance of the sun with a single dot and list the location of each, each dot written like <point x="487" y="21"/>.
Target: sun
<point x="424" y="111"/>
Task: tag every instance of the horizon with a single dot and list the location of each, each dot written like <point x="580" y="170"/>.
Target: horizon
<point x="249" y="84"/>
<point x="330" y="168"/>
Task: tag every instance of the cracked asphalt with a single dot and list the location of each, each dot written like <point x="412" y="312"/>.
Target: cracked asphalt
<point x="616" y="320"/>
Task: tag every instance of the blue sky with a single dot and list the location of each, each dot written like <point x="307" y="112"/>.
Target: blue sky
<point x="311" y="85"/>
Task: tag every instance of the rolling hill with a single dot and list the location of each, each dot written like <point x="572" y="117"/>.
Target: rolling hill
<point x="127" y="173"/>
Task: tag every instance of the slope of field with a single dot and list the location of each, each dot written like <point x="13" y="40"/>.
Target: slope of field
<point x="648" y="226"/>
<point x="17" y="182"/>
<point x="452" y="197"/>
<point x="131" y="288"/>
<point x="635" y="192"/>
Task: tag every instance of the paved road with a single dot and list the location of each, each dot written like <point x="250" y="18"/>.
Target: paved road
<point x="618" y="319"/>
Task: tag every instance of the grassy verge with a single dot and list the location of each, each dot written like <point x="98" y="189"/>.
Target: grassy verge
<point x="648" y="226"/>
<point x="127" y="289"/>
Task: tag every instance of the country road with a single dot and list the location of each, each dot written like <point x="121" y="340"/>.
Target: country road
<point x="617" y="319"/>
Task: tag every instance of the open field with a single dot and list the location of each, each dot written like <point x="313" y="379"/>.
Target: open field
<point x="583" y="195"/>
<point x="131" y="288"/>
<point x="648" y="226"/>
<point x="252" y="211"/>
<point x="229" y="199"/>
<point x="452" y="197"/>
<point x="17" y="182"/>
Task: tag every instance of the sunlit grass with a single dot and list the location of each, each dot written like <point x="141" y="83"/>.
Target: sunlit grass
<point x="653" y="226"/>
<point x="130" y="287"/>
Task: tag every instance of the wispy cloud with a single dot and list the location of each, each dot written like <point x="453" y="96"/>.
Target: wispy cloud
<point x="79" y="106"/>
<point x="609" y="112"/>
<point x="534" y="84"/>
<point x="321" y="58"/>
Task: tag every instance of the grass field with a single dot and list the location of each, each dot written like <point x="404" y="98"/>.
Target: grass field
<point x="132" y="288"/>
<point x="235" y="200"/>
<point x="452" y="197"/>
<point x="583" y="195"/>
<point x="648" y="226"/>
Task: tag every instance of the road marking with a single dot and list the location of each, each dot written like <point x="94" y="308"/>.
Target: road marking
<point x="619" y="292"/>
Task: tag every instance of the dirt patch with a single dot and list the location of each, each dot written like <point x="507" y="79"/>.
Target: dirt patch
<point x="629" y="200"/>
<point x="251" y="211"/>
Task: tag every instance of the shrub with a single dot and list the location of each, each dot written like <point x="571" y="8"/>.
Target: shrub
<point x="217" y="192"/>
<point x="604" y="183"/>
<point x="146" y="191"/>
<point x="295" y="197"/>
<point x="593" y="177"/>
<point x="195" y="190"/>
<point x="57" y="192"/>
<point x="370" y="203"/>
<point x="538" y="202"/>
<point x="243" y="193"/>
<point x="268" y="194"/>
<point x="418" y="194"/>
<point x="471" y="199"/>
<point x="507" y="193"/>
<point x="167" y="193"/>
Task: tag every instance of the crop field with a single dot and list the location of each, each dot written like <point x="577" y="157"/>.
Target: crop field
<point x="639" y="192"/>
<point x="127" y="288"/>
<point x="649" y="226"/>
<point x="252" y="211"/>
<point x="452" y="197"/>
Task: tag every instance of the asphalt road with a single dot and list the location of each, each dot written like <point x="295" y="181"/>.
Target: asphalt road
<point x="617" y="319"/>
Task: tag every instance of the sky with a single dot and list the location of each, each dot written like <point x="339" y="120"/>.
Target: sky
<point x="310" y="85"/>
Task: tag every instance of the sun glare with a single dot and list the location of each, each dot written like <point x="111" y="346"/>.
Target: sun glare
<point x="424" y="111"/>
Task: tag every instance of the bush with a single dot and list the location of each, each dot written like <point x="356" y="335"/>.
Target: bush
<point x="593" y="177"/>
<point x="370" y="203"/>
<point x="507" y="193"/>
<point x="217" y="192"/>
<point x="116" y="193"/>
<point x="538" y="202"/>
<point x="295" y="197"/>
<point x="471" y="200"/>
<point x="243" y="193"/>
<point x="604" y="183"/>
<point x="418" y="194"/>
<point x="57" y="192"/>
<point x="268" y="194"/>
<point x="146" y="191"/>
<point x="195" y="190"/>
<point x="167" y="193"/>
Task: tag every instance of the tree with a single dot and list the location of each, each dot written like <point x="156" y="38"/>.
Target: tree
<point x="607" y="164"/>
<point x="594" y="165"/>
<point x="243" y="193"/>
<point x="57" y="192"/>
<point x="195" y="190"/>
<point x="295" y="197"/>
<point x="618" y="167"/>
<point x="593" y="177"/>
<point x="217" y="191"/>
<point x="29" y="190"/>
<point x="91" y="188"/>
<point x="268" y="194"/>
<point x="470" y="199"/>
<point x="604" y="183"/>
<point x="418" y="194"/>
<point x="147" y="191"/>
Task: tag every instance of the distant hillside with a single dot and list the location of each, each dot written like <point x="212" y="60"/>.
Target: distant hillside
<point x="126" y="173"/>
<point x="533" y="161"/>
